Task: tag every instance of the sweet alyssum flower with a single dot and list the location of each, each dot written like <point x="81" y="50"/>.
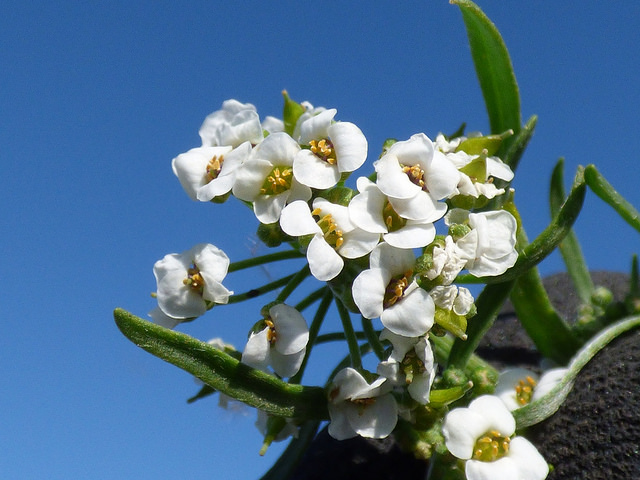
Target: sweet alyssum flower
<point x="490" y="245"/>
<point x="518" y="387"/>
<point x="334" y="236"/>
<point x="232" y="125"/>
<point x="266" y="177"/>
<point x="375" y="212"/>
<point x="410" y="365"/>
<point x="410" y="171"/>
<point x="334" y="148"/>
<point x="359" y="408"/>
<point x="191" y="282"/>
<point x="208" y="172"/>
<point x="280" y="342"/>
<point x="387" y="290"/>
<point x="483" y="435"/>
<point x="448" y="261"/>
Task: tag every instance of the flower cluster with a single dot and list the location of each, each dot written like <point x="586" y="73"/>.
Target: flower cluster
<point x="401" y="270"/>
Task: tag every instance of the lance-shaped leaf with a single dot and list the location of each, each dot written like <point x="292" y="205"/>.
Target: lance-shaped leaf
<point x="570" y="247"/>
<point x="494" y="70"/>
<point x="223" y="372"/>
<point x="547" y="405"/>
<point x="606" y="192"/>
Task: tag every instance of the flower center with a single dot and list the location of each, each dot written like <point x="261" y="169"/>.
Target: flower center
<point x="415" y="174"/>
<point x="395" y="289"/>
<point x="278" y="181"/>
<point x="392" y="220"/>
<point x="412" y="366"/>
<point x="491" y="447"/>
<point x="524" y="390"/>
<point x="323" y="149"/>
<point x="362" y="404"/>
<point x="329" y="227"/>
<point x="272" y="336"/>
<point x="194" y="280"/>
<point x="214" y="167"/>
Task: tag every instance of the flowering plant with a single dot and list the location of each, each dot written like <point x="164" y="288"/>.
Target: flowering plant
<point x="392" y="247"/>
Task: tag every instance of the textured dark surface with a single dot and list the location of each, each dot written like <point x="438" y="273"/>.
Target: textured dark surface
<point x="594" y="435"/>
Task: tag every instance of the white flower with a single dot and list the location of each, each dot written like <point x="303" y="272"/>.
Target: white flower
<point x="482" y="434"/>
<point x="387" y="290"/>
<point x="517" y="387"/>
<point x="335" y="148"/>
<point x="208" y="172"/>
<point x="410" y="170"/>
<point x="272" y="124"/>
<point x="234" y="124"/>
<point x="447" y="262"/>
<point x="190" y="282"/>
<point x="281" y="344"/>
<point x="266" y="177"/>
<point x="411" y="365"/>
<point x="359" y="408"/>
<point x="490" y="245"/>
<point x="373" y="211"/>
<point x="452" y="298"/>
<point x="334" y="235"/>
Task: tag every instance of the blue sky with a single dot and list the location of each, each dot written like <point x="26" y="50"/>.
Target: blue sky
<point x="98" y="97"/>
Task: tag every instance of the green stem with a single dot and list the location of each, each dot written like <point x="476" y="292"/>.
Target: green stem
<point x="337" y="336"/>
<point x="442" y="348"/>
<point x="350" y="334"/>
<point x="261" y="260"/>
<point x="373" y="337"/>
<point x="606" y="192"/>
<point x="570" y="247"/>
<point x="296" y="280"/>
<point x="256" y="292"/>
<point x="313" y="331"/>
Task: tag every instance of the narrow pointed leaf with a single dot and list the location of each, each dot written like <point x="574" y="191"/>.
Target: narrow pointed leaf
<point x="570" y="247"/>
<point x="547" y="405"/>
<point x="494" y="70"/>
<point x="606" y="192"/>
<point x="519" y="143"/>
<point x="223" y="372"/>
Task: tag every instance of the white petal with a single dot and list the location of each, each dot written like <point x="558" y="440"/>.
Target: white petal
<point x="496" y="413"/>
<point x="376" y="420"/>
<point x="350" y="384"/>
<point x="296" y="219"/>
<point x="350" y="145"/>
<point x="313" y="171"/>
<point x="442" y="177"/>
<point x="191" y="167"/>
<point x="506" y="386"/>
<point x="391" y="180"/>
<point x="462" y="428"/>
<point x="324" y="262"/>
<point x="226" y="178"/>
<point x="317" y="127"/>
<point x="358" y="243"/>
<point x="286" y="365"/>
<point x="401" y="344"/>
<point x="162" y="319"/>
<point x="256" y="351"/>
<point x="368" y="291"/>
<point x="268" y="207"/>
<point x="279" y="149"/>
<point x="497" y="168"/>
<point x="249" y="179"/>
<point x="420" y="387"/>
<point x="531" y="464"/>
<point x="292" y="332"/>
<point x="365" y="209"/>
<point x="174" y="298"/>
<point x="502" y="469"/>
<point x="339" y="426"/>
<point x="419" y="207"/>
<point x="412" y="235"/>
<point x="393" y="260"/>
<point x="412" y="315"/>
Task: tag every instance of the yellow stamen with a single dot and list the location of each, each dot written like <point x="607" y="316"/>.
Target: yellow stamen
<point x="395" y="289"/>
<point x="272" y="335"/>
<point x="278" y="181"/>
<point x="332" y="234"/>
<point x="214" y="167"/>
<point x="194" y="279"/>
<point x="415" y="174"/>
<point x="524" y="390"/>
<point x="324" y="150"/>
<point x="491" y="447"/>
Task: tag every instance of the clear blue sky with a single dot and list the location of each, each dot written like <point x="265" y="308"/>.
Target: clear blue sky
<point x="96" y="98"/>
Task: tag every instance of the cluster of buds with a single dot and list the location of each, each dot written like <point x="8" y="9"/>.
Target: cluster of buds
<point x="292" y="172"/>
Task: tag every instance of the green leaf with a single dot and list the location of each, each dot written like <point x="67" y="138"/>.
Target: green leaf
<point x="290" y="113"/>
<point x="494" y="70"/>
<point x="570" y="247"/>
<point x="223" y="372"/>
<point x="606" y="192"/>
<point x="547" y="405"/>
<point x="519" y="143"/>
